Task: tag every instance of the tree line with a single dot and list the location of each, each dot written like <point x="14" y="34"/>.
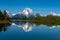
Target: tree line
<point x="4" y="15"/>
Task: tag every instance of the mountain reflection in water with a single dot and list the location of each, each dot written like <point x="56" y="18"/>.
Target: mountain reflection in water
<point x="25" y="25"/>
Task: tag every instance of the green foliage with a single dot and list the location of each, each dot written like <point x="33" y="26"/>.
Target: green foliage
<point x="48" y="20"/>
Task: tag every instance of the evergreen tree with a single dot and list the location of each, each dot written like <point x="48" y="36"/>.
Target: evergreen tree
<point x="1" y="15"/>
<point x="6" y="15"/>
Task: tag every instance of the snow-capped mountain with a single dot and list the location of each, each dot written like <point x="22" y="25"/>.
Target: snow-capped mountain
<point x="27" y="12"/>
<point x="8" y="13"/>
<point x="54" y="14"/>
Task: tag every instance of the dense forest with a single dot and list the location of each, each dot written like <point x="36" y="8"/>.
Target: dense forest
<point x="4" y="18"/>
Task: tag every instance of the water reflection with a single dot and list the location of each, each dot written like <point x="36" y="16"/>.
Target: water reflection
<point x="25" y="25"/>
<point x="28" y="26"/>
<point x="4" y="26"/>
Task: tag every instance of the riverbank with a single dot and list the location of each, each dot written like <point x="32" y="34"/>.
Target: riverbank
<point x="4" y="21"/>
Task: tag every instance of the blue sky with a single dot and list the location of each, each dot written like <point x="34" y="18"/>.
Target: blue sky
<point x="39" y="6"/>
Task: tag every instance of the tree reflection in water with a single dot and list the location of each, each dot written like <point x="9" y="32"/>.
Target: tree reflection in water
<point x="4" y="26"/>
<point x="27" y="25"/>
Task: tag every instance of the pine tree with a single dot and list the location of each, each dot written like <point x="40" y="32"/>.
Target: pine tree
<point x="1" y="15"/>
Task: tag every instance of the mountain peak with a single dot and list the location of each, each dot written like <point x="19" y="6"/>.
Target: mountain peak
<point x="54" y="14"/>
<point x="7" y="11"/>
<point x="27" y="11"/>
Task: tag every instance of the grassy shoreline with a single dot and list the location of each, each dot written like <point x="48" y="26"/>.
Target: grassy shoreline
<point x="4" y="21"/>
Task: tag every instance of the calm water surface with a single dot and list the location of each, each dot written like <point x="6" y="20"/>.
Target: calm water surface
<point x="28" y="31"/>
